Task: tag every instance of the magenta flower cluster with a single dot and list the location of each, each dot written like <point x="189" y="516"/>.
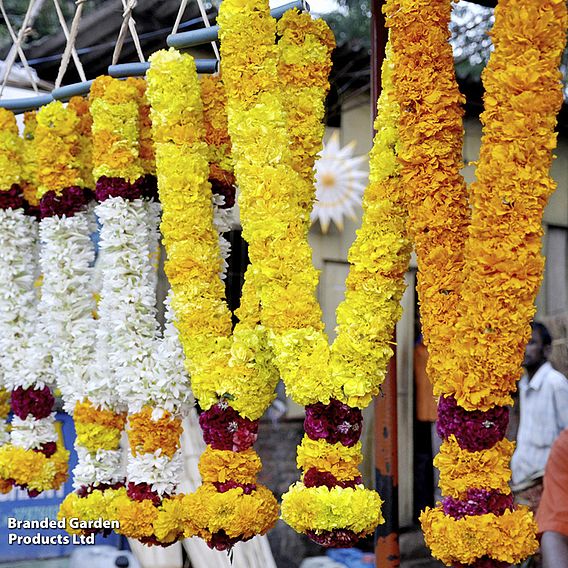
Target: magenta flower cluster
<point x="334" y="422"/>
<point x="143" y="491"/>
<point x="222" y="541"/>
<point x="227" y="190"/>
<point x="477" y="502"/>
<point x="223" y="487"/>
<point x="12" y="198"/>
<point x="474" y="430"/>
<point x="315" y="478"/>
<point x="35" y="402"/>
<point x="70" y="201"/>
<point x="337" y="538"/>
<point x="145" y="186"/>
<point x="225" y="429"/>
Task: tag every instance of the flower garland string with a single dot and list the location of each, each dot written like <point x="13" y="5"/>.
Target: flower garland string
<point x="330" y="451"/>
<point x="158" y="397"/>
<point x="155" y="386"/>
<point x="17" y="233"/>
<point x="232" y="381"/>
<point x="34" y="459"/>
<point x="100" y="417"/>
<point x="503" y="271"/>
<point x="330" y="504"/>
<point x="304" y="65"/>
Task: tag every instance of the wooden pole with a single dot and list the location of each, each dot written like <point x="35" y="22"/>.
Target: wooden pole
<point x="387" y="552"/>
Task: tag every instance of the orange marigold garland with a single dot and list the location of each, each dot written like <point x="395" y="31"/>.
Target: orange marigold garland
<point x="523" y="94"/>
<point x="476" y="523"/>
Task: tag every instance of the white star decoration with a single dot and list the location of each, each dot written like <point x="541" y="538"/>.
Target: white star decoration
<point x="339" y="183"/>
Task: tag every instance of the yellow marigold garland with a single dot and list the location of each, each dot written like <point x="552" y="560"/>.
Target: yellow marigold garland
<point x="273" y="209"/>
<point x="81" y="106"/>
<point x="505" y="265"/>
<point x="431" y="132"/>
<point x="29" y="164"/>
<point x="461" y="469"/>
<point x="33" y="470"/>
<point x="225" y="370"/>
<point x="10" y="150"/>
<point x="304" y="65"/>
<point x="147" y="435"/>
<point x="115" y="140"/>
<point x="58" y="147"/>
<point x="508" y="537"/>
<point x="216" y="135"/>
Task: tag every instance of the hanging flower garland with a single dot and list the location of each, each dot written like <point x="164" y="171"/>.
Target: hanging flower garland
<point x="33" y="460"/>
<point x="232" y="383"/>
<point x="335" y="511"/>
<point x="100" y="417"/>
<point x="379" y="259"/>
<point x="504" y="270"/>
<point x="13" y="170"/>
<point x="17" y="232"/>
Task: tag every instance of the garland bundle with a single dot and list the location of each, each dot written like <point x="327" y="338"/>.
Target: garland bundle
<point x="231" y="377"/>
<point x="330" y="504"/>
<point x="100" y="415"/>
<point x="33" y="460"/>
<point x="476" y="524"/>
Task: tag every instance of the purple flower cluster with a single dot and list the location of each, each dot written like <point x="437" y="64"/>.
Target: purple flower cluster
<point x="47" y="449"/>
<point x="223" y="487"/>
<point x="477" y="502"/>
<point x="337" y="538"/>
<point x="222" y="541"/>
<point x="226" y="189"/>
<point x="12" y="198"/>
<point x="225" y="429"/>
<point x="142" y="492"/>
<point x="474" y="430"/>
<point x="334" y="422"/>
<point x="72" y="200"/>
<point x="86" y="490"/>
<point x="315" y="478"/>
<point x="35" y="402"/>
<point x="145" y="186"/>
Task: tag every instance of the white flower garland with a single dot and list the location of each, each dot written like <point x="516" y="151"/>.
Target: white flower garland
<point x="25" y="353"/>
<point x="127" y="312"/>
<point x="18" y="243"/>
<point x="31" y="433"/>
<point x="66" y="258"/>
<point x="159" y="471"/>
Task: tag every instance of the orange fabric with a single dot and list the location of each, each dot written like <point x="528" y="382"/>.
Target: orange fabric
<point x="426" y="407"/>
<point x="552" y="514"/>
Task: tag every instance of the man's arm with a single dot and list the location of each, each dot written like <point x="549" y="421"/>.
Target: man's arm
<point x="554" y="548"/>
<point x="561" y="404"/>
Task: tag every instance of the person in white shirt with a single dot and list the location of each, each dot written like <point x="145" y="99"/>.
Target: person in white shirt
<point x="543" y="399"/>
